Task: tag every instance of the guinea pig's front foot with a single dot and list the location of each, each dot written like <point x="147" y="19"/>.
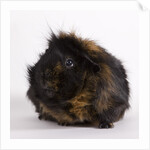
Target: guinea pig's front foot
<point x="40" y="117"/>
<point x="105" y="125"/>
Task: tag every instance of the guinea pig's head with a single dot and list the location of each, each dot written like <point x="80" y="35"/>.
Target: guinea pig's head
<point x="62" y="70"/>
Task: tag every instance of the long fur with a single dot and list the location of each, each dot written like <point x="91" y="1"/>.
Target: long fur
<point x="95" y="89"/>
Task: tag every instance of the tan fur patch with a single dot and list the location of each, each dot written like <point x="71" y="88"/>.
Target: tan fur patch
<point x="58" y="68"/>
<point x="105" y="101"/>
<point x="90" y="45"/>
<point x="55" y="72"/>
<point x="59" y="116"/>
<point x="81" y="107"/>
<point x="107" y="75"/>
<point x="53" y="84"/>
<point x="64" y="35"/>
<point x="92" y="48"/>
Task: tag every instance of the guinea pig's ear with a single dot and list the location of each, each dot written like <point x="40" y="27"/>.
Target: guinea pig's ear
<point x="92" y="65"/>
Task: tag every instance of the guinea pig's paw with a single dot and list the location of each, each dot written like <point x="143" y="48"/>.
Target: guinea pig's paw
<point x="43" y="116"/>
<point x="63" y="123"/>
<point x="40" y="117"/>
<point x="105" y="125"/>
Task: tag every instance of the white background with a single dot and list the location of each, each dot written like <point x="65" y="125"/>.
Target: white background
<point x="141" y="143"/>
<point x="117" y="31"/>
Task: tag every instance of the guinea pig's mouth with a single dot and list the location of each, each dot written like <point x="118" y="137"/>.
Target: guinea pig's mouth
<point x="50" y="92"/>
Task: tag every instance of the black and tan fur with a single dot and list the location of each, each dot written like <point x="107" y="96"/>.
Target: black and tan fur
<point x="95" y="89"/>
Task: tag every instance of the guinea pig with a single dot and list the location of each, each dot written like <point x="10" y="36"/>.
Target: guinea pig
<point x="76" y="81"/>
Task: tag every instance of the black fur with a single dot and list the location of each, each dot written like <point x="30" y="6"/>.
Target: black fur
<point x="56" y="87"/>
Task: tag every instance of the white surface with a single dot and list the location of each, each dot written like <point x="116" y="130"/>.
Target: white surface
<point x="117" y="31"/>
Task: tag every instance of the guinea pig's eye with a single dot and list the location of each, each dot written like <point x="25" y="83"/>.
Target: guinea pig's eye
<point x="69" y="63"/>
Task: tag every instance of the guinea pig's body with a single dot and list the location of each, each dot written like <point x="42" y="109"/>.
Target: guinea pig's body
<point x="77" y="81"/>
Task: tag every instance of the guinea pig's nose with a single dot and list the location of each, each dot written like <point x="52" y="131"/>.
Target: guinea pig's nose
<point x="50" y="92"/>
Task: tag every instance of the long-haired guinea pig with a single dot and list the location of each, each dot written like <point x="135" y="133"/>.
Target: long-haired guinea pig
<point x="76" y="81"/>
